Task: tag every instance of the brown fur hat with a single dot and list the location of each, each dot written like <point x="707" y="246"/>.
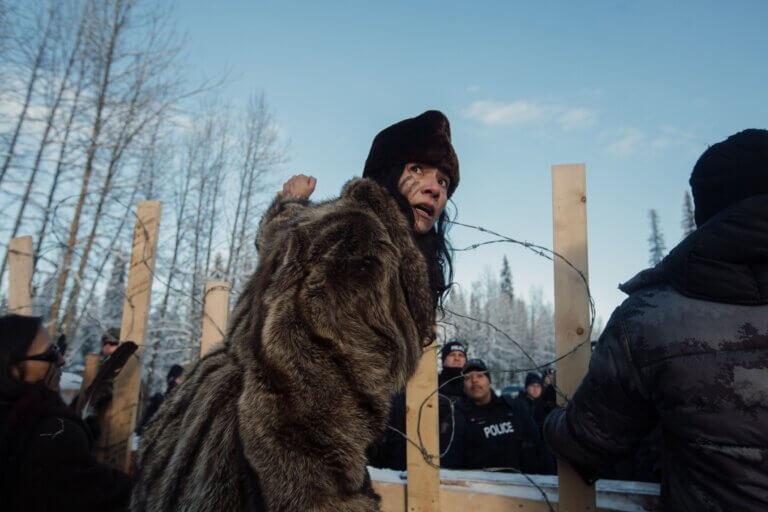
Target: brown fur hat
<point x="424" y="139"/>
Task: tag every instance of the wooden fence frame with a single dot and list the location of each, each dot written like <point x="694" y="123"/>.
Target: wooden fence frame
<point x="423" y="491"/>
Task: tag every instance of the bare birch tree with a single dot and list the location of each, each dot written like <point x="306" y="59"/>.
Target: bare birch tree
<point x="38" y="39"/>
<point x="260" y="152"/>
<point x="71" y="50"/>
<point x="133" y="60"/>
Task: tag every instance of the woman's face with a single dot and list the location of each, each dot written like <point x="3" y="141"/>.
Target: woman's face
<point x="46" y="373"/>
<point x="426" y="190"/>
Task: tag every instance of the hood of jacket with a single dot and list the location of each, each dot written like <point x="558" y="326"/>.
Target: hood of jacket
<point x="725" y="260"/>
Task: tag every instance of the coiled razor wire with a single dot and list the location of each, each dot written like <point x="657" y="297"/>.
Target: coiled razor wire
<point x="429" y="458"/>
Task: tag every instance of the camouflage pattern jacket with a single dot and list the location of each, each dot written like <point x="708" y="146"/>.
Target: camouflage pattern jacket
<point x="331" y="324"/>
<point x="689" y="350"/>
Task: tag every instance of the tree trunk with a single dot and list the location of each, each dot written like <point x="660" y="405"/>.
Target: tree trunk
<point x="112" y="243"/>
<point x="43" y="143"/>
<point x="95" y="134"/>
<point x="27" y="96"/>
<point x="59" y="168"/>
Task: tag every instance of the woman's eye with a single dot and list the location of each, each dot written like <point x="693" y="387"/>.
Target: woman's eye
<point x="443" y="182"/>
<point x="416" y="169"/>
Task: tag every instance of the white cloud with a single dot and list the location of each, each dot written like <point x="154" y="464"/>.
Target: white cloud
<point x="494" y="112"/>
<point x="575" y="118"/>
<point x="628" y="143"/>
<point x="524" y="112"/>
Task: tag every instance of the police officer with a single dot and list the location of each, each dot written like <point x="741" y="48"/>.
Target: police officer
<point x="454" y="357"/>
<point x="495" y="433"/>
<point x="451" y="391"/>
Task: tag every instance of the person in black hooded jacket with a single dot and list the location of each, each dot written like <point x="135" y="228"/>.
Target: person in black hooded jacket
<point x="174" y="377"/>
<point x="45" y="459"/>
<point x="688" y="350"/>
<point x="450" y="382"/>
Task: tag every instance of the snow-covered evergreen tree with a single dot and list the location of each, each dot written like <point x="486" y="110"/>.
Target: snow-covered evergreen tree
<point x="509" y="335"/>
<point x="41" y="302"/>
<point x="114" y="293"/>
<point x="656" y="240"/>
<point x="507" y="288"/>
<point x="689" y="220"/>
<point x="218" y="272"/>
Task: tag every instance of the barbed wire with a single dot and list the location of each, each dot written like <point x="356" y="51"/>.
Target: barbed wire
<point x="146" y="260"/>
<point x="549" y="255"/>
<point x="128" y="300"/>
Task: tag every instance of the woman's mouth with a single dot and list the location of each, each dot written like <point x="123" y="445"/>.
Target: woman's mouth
<point x="424" y="210"/>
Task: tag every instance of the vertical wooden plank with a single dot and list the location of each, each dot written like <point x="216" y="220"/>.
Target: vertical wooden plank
<point x="118" y="423"/>
<point x="569" y="205"/>
<point x="423" y="491"/>
<point x="215" y="314"/>
<point x="20" y="270"/>
<point x="90" y="371"/>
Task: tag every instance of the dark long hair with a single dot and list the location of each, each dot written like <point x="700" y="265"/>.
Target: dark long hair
<point x="16" y="335"/>
<point x="434" y="244"/>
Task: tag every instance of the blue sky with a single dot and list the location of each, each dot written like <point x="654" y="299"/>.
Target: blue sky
<point x="636" y="90"/>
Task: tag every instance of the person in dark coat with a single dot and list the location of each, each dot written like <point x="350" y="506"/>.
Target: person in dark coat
<point x="529" y="397"/>
<point x="173" y="378"/>
<point x="451" y="390"/>
<point x="688" y="350"/>
<point x="388" y="451"/>
<point x="453" y="356"/>
<point x="548" y="399"/>
<point x="496" y="433"/>
<point x="109" y="342"/>
<point x="45" y="459"/>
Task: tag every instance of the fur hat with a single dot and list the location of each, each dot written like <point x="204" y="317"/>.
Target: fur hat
<point x="424" y="139"/>
<point x="453" y="346"/>
<point x="730" y="171"/>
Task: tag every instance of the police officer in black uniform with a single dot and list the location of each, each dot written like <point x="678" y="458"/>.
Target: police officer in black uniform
<point x="451" y="390"/>
<point x="494" y="433"/>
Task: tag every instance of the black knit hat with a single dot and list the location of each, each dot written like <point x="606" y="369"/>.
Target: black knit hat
<point x="476" y="365"/>
<point x="730" y="171"/>
<point x="425" y="139"/>
<point x="111" y="336"/>
<point x="174" y="371"/>
<point x="532" y="378"/>
<point x="453" y="346"/>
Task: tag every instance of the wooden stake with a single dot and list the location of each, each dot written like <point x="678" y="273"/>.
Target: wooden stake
<point x="569" y="205"/>
<point x="91" y="369"/>
<point x="423" y="479"/>
<point x="118" y="423"/>
<point x="215" y="315"/>
<point x="20" y="270"/>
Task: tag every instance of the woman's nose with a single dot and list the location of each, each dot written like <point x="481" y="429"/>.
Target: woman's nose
<point x="430" y="184"/>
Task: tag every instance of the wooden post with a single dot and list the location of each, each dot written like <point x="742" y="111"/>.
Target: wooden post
<point x="118" y="423"/>
<point x="569" y="205"/>
<point x="215" y="314"/>
<point x="90" y="371"/>
<point x="423" y="479"/>
<point x="20" y="270"/>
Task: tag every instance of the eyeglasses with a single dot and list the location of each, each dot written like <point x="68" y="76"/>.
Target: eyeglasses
<point x="51" y="355"/>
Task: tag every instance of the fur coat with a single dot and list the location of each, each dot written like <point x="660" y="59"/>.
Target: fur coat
<point x="330" y="325"/>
